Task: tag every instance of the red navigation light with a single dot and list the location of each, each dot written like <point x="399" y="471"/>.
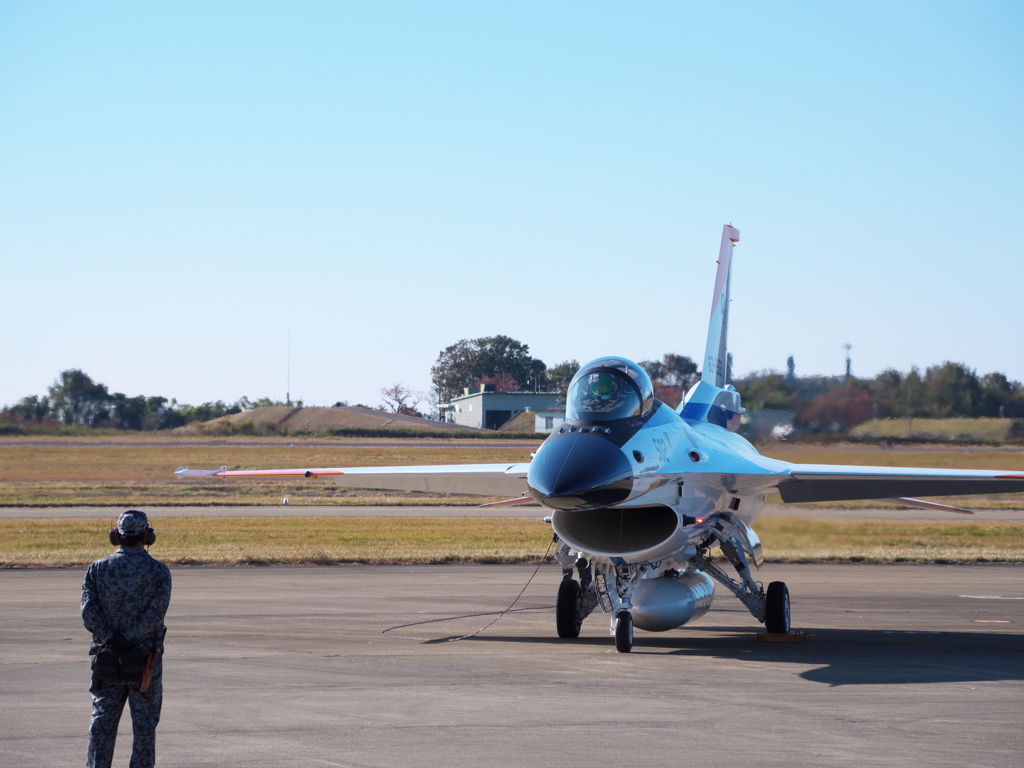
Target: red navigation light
<point x="700" y="520"/>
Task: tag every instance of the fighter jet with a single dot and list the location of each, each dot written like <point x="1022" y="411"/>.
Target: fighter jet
<point x="641" y="496"/>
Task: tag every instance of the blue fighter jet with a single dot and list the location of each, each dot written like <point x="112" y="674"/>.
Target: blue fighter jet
<point x="640" y="494"/>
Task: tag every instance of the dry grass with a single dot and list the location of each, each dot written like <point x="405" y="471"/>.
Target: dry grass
<point x="795" y="540"/>
<point x="139" y="469"/>
<point x="317" y="420"/>
<point x="989" y="430"/>
<point x="77" y="460"/>
<point x="78" y="472"/>
<point x="324" y="540"/>
<point x="937" y="455"/>
<point x="309" y="540"/>
<point x="521" y="422"/>
<point x="215" y="493"/>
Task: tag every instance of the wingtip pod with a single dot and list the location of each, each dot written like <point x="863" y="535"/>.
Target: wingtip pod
<point x="186" y="472"/>
<point x="224" y="472"/>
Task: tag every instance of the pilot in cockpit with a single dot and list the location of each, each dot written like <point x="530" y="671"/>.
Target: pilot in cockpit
<point x="602" y="386"/>
<point x="608" y="389"/>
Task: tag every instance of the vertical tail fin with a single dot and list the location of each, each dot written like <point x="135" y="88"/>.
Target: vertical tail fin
<point x="716" y="353"/>
<point x="711" y="399"/>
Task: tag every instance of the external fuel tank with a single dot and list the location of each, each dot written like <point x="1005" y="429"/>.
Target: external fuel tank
<point x="669" y="601"/>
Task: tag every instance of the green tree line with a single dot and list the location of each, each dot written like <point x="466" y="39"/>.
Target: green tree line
<point x="75" y="399"/>
<point x="835" y="403"/>
<point x="820" y="403"/>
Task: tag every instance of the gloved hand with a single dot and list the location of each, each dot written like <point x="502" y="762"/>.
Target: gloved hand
<point x="117" y="642"/>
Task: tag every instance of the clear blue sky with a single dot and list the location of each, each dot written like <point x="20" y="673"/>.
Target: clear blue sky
<point x="184" y="184"/>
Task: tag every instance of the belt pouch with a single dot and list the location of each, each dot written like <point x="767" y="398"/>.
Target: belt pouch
<point x="131" y="664"/>
<point x="104" y="666"/>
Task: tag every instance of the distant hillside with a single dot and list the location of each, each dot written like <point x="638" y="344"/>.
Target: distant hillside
<point x="521" y="422"/>
<point x="279" y="419"/>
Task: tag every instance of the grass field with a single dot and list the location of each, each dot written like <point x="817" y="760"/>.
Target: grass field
<point x="986" y="430"/>
<point x="321" y="540"/>
<point x="75" y="471"/>
<point x="37" y="472"/>
<point x="126" y="471"/>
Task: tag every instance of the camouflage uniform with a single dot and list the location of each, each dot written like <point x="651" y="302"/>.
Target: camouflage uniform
<point x="127" y="593"/>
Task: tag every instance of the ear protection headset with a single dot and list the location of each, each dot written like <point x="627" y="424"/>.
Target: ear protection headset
<point x="147" y="538"/>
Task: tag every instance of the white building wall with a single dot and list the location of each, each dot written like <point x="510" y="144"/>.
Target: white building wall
<point x="548" y="421"/>
<point x="471" y="410"/>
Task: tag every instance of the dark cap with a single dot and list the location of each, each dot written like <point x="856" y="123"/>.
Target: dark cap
<point x="132" y="523"/>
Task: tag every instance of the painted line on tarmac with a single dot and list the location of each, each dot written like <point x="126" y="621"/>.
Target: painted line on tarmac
<point x="992" y="597"/>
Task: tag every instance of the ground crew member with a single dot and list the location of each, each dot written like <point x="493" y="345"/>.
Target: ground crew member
<point x="124" y="600"/>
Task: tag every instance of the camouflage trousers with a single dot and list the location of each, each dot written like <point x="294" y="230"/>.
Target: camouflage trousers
<point x="107" y="705"/>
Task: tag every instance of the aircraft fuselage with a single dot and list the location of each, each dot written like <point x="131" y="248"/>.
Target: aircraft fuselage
<point x="640" y="489"/>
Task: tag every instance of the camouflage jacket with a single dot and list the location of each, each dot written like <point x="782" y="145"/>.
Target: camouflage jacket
<point x="126" y="592"/>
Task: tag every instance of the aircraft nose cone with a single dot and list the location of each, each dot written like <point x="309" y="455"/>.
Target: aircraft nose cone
<point x="580" y="472"/>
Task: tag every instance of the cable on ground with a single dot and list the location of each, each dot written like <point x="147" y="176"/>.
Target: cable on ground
<point x="510" y="609"/>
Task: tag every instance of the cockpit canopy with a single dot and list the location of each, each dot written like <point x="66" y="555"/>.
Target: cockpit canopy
<point x="609" y="388"/>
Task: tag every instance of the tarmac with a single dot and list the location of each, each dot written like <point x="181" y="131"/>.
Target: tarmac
<point x="287" y="666"/>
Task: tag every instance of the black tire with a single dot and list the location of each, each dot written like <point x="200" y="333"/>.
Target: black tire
<point x="568" y="617"/>
<point x="624" y="632"/>
<point x="776" y="614"/>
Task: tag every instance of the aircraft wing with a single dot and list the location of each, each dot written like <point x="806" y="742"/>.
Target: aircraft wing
<point x="473" y="479"/>
<point x="825" y="482"/>
<point x="796" y="483"/>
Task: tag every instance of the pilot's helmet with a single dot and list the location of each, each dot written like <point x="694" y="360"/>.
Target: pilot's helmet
<point x="609" y="388"/>
<point x="602" y="385"/>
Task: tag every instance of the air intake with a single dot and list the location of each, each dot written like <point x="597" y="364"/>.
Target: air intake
<point x="635" y="534"/>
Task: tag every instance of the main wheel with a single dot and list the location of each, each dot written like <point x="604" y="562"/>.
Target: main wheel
<point x="624" y="632"/>
<point x="568" y="617"/>
<point x="776" y="614"/>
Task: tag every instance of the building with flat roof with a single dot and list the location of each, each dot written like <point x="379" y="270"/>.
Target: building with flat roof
<point x="483" y="408"/>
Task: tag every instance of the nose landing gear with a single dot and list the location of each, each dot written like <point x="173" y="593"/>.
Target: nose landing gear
<point x="624" y="632"/>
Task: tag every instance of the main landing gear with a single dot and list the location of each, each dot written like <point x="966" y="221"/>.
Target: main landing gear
<point x="575" y="601"/>
<point x="742" y="548"/>
<point x="568" y="616"/>
<point x="776" y="608"/>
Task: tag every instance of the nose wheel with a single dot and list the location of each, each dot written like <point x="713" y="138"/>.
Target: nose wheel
<point x="624" y="632"/>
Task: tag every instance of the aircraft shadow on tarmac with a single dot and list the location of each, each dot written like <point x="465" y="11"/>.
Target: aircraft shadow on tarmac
<point x="842" y="656"/>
